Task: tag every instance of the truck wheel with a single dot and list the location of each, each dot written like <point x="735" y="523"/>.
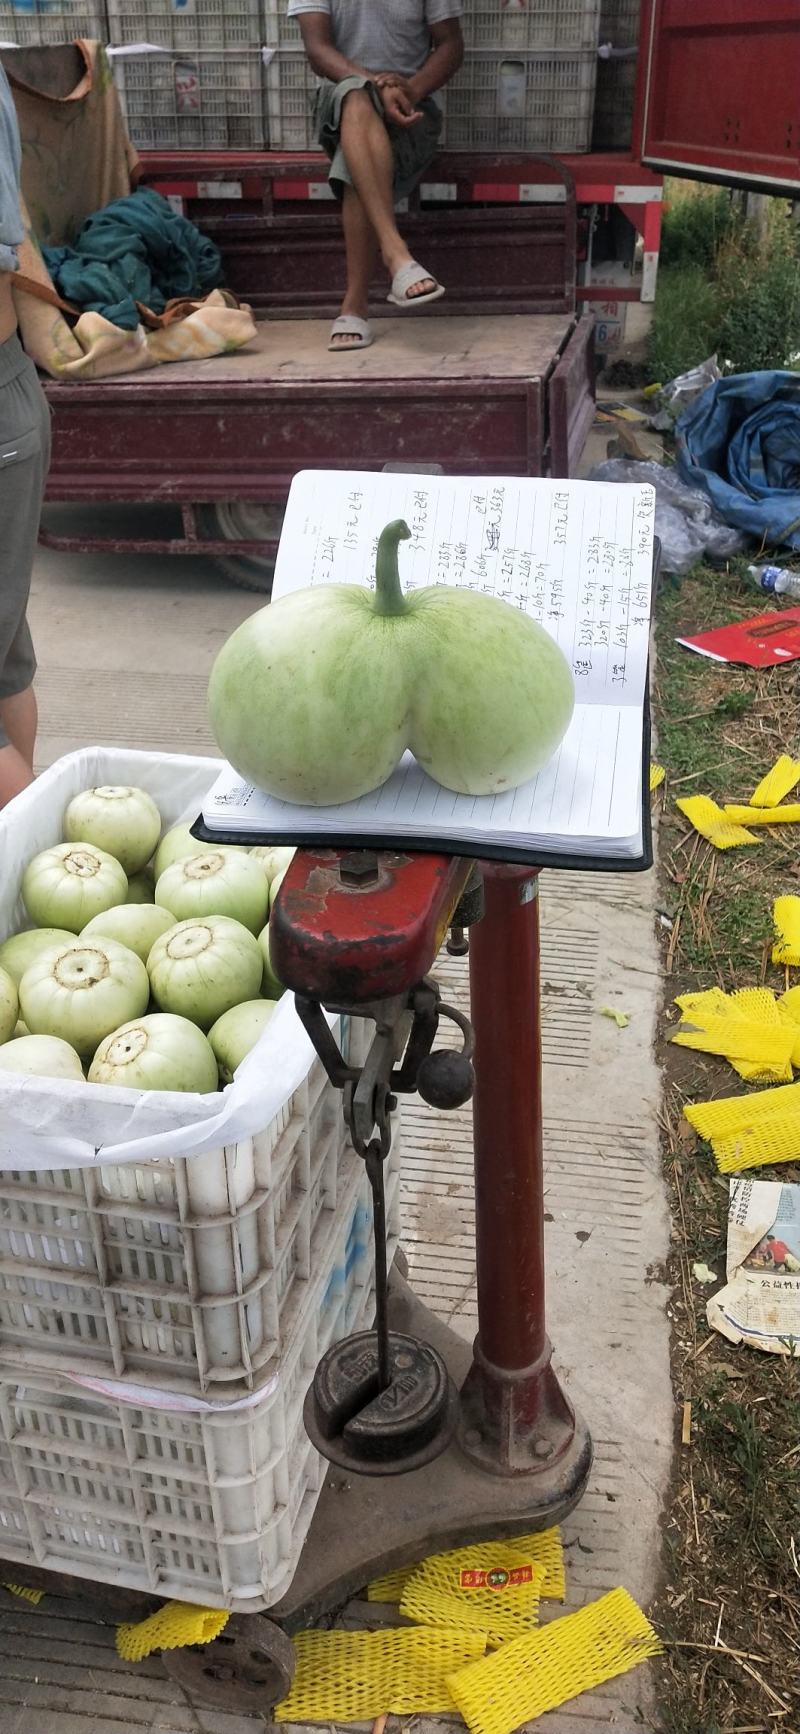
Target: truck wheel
<point x="242" y="521"/>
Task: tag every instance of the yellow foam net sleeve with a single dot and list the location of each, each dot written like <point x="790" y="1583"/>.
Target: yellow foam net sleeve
<point x="355" y="1676"/>
<point x="768" y="1062"/>
<point x="788" y="815"/>
<point x="171" y="1627"/>
<point x="543" y="1547"/>
<point x="710" y="821"/>
<point x="389" y="1588"/>
<point x="785" y="775"/>
<point x="786" y="917"/>
<point x="498" y="1595"/>
<point x="25" y="1593"/>
<point x="547" y="1667"/>
<point x="710" y="999"/>
<point x="758" y="1003"/>
<point x="657" y="775"/>
<point x="767" y="1047"/>
<point x="748" y="1131"/>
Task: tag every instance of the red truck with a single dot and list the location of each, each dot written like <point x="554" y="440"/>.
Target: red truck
<point x="499" y="378"/>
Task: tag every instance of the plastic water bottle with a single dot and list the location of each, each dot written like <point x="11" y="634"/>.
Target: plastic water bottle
<point x="777" y="579"/>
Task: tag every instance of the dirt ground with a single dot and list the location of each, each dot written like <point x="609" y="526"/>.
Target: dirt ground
<point x="730" y="1609"/>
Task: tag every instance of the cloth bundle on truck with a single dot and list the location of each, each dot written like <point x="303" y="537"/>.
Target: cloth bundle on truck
<point x="77" y="161"/>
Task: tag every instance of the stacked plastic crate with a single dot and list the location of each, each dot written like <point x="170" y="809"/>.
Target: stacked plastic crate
<point x="159" y="1329"/>
<point x="29" y="23"/>
<point x="528" y="78"/>
<point x="193" y="76"/>
<point x="616" y="75"/>
<point x="161" y="1318"/>
<point x="290" y="83"/>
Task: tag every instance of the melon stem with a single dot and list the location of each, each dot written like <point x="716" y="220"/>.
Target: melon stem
<point x="389" y="598"/>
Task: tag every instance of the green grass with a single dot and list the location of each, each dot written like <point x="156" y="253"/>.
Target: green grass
<point x="726" y="950"/>
<point x="683" y="331"/>
<point x="758" y="300"/>
<point x="697" y="219"/>
<point x="723" y="289"/>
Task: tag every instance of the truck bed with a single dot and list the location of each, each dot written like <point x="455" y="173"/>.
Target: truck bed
<point x="408" y="347"/>
<point x="502" y="395"/>
<point x="497" y="379"/>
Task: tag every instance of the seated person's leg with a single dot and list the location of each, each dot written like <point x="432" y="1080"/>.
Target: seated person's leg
<point x="361" y="245"/>
<point x="364" y="174"/>
<point x="367" y="151"/>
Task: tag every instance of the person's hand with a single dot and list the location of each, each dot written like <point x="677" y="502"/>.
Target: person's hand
<point x="398" y="103"/>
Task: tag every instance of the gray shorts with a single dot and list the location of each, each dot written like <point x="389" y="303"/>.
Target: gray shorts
<point x="24" y="458"/>
<point x="413" y="147"/>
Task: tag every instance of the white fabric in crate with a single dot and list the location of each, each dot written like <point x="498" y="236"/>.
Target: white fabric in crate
<point x="50" y="1123"/>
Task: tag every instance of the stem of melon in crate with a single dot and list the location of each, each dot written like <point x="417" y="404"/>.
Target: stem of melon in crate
<point x="389" y="598"/>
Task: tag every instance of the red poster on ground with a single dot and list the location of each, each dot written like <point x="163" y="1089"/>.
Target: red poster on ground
<point x="759" y="643"/>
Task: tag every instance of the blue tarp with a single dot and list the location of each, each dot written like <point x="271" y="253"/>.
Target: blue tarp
<point x="740" y="442"/>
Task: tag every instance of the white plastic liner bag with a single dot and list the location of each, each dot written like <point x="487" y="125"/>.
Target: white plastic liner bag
<point x="55" y="1123"/>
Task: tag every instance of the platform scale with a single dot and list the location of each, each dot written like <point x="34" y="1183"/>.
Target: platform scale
<point x="487" y="1440"/>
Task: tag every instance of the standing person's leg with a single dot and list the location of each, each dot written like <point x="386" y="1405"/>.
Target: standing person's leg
<point x="19" y="719"/>
<point x="24" y="457"/>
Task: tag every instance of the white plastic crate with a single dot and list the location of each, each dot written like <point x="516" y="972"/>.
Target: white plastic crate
<point x="278" y="29"/>
<point x="531" y="25"/>
<point x="192" y="24"/>
<point x="179" y="1271"/>
<point x="42" y="23"/>
<point x="193" y="100"/>
<point x="202" y="1505"/>
<point x="290" y="87"/>
<point x="540" y="102"/>
<point x="164" y="1237"/>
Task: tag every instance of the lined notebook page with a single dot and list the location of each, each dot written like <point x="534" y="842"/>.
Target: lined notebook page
<point x="576" y="556"/>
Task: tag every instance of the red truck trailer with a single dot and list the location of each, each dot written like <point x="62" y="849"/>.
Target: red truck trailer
<point x="497" y="378"/>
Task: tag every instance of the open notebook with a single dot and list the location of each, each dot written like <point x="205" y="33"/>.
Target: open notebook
<point x="578" y="557"/>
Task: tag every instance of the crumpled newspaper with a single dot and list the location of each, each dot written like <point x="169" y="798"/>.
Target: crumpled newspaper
<point x="760" y="1302"/>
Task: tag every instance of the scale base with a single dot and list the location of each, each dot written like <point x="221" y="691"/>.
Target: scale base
<point x="361" y="1528"/>
<point x="364" y="1526"/>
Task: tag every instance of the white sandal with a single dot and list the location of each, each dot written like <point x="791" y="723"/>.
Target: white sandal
<point x="349" y="325"/>
<point x="405" y="278"/>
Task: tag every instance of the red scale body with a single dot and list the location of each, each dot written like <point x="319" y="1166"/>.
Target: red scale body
<point x="352" y="943"/>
